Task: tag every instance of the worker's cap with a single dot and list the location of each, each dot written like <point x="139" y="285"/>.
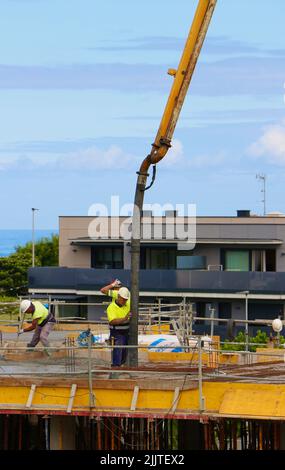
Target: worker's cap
<point x="124" y="293"/>
<point x="25" y="305"/>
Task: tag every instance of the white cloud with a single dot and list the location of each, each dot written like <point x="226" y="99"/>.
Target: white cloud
<point x="91" y="158"/>
<point x="176" y="157"/>
<point x="271" y="145"/>
<point x="209" y="161"/>
<point x="112" y="158"/>
<point x="94" y="158"/>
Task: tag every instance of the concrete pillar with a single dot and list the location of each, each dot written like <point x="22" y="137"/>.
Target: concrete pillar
<point x="62" y="433"/>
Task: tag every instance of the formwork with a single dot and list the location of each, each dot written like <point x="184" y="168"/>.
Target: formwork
<point x="195" y="399"/>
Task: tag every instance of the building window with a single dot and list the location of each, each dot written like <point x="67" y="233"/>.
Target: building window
<point x="190" y="262"/>
<point x="159" y="258"/>
<point x="249" y="260"/>
<point x="237" y="260"/>
<point x="263" y="260"/>
<point x="225" y="310"/>
<point x="170" y="258"/>
<point x="162" y="259"/>
<point x="270" y="260"/>
<point x="107" y="257"/>
<point x="258" y="260"/>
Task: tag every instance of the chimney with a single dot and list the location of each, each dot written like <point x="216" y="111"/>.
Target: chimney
<point x="243" y="213"/>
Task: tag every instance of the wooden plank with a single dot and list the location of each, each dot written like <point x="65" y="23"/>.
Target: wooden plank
<point x="71" y="398"/>
<point x="146" y="382"/>
<point x="135" y="398"/>
<point x="31" y="396"/>
<point x="254" y="402"/>
<point x="175" y="399"/>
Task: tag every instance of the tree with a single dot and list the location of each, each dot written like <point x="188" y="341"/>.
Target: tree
<point x="46" y="250"/>
<point x="14" y="268"/>
<point x="13" y="272"/>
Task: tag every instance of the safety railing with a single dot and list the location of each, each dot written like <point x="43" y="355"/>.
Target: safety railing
<point x="77" y="361"/>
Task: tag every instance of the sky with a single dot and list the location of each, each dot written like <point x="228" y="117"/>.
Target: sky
<point x="83" y="86"/>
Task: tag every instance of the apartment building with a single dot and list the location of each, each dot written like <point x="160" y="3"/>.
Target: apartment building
<point x="220" y="264"/>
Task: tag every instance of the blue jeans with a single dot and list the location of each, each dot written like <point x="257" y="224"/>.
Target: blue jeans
<point x="119" y="355"/>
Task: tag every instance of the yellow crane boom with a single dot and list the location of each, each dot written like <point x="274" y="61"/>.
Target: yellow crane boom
<point x="182" y="79"/>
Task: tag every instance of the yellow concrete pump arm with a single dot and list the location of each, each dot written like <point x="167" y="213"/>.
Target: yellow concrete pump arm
<point x="182" y="79"/>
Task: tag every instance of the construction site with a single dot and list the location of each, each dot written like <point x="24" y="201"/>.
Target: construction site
<point x="186" y="392"/>
<point x="182" y="387"/>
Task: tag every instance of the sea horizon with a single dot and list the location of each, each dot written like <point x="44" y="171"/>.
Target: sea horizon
<point x="11" y="238"/>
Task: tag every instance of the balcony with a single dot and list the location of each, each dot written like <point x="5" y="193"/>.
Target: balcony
<point x="79" y="279"/>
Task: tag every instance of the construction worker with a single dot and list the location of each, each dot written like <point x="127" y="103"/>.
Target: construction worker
<point x="118" y="313"/>
<point x="42" y="323"/>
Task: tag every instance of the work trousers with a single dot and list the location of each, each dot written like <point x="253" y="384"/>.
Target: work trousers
<point x="41" y="335"/>
<point x="120" y="338"/>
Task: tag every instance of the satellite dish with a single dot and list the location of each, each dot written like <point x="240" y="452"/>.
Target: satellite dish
<point x="277" y="325"/>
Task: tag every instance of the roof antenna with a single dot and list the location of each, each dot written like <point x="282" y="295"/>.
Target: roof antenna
<point x="262" y="178"/>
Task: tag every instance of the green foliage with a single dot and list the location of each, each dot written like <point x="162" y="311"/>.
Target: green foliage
<point x="229" y="346"/>
<point x="260" y="339"/>
<point x="6" y="298"/>
<point x="14" y="268"/>
<point x="46" y="250"/>
<point x="13" y="272"/>
<point x="281" y="339"/>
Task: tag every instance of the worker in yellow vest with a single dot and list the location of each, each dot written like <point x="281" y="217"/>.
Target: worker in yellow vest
<point x="118" y="313"/>
<point x="42" y="322"/>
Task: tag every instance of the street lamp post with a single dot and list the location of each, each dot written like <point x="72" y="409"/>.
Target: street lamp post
<point x="246" y="319"/>
<point x="33" y="236"/>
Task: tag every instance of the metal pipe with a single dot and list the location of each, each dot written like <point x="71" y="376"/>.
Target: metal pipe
<point x="212" y="323"/>
<point x="46" y="431"/>
<point x="148" y="316"/>
<point x="200" y="377"/>
<point x="91" y="395"/>
<point x="161" y="145"/>
<point x="33" y="236"/>
<point x="246" y="320"/>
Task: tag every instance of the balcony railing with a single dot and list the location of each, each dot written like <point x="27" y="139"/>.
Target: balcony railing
<point x="79" y="279"/>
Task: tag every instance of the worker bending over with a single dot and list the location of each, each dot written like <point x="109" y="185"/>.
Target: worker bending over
<point x="118" y="313"/>
<point x="42" y="322"/>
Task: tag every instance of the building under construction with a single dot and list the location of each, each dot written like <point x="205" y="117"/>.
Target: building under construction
<point x="186" y="393"/>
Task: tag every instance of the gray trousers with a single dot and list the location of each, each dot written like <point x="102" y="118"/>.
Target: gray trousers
<point x="41" y="334"/>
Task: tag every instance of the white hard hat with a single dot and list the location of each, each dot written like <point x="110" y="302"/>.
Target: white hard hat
<point x="277" y="325"/>
<point x="124" y="293"/>
<point x="25" y="305"/>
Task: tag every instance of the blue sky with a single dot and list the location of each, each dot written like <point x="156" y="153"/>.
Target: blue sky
<point x="83" y="85"/>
